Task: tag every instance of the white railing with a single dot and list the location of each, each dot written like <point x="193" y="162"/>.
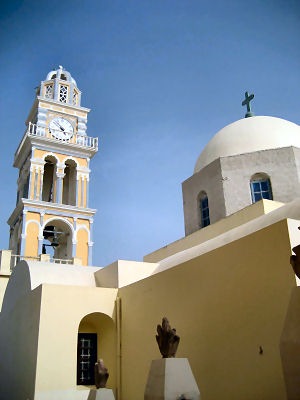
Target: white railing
<point x="61" y="261"/>
<point x="79" y="140"/>
<point x="8" y="260"/>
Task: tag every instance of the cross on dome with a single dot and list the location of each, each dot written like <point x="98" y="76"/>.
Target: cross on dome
<point x="246" y="102"/>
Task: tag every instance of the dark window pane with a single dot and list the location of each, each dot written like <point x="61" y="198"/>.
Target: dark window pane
<point x="261" y="189"/>
<point x="256" y="186"/>
<point x="204" y="202"/>
<point x="204" y="212"/>
<point x="257" y="196"/>
<point x="264" y="185"/>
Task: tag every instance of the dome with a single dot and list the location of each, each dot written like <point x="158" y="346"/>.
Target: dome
<point x="62" y="74"/>
<point x="248" y="135"/>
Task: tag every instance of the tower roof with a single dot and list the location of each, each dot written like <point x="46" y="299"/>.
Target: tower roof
<point x="248" y="135"/>
<point x="61" y="74"/>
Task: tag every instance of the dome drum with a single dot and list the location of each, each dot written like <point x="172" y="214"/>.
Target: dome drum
<point x="254" y="152"/>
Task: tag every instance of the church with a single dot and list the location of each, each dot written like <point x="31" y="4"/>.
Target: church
<point x="225" y="286"/>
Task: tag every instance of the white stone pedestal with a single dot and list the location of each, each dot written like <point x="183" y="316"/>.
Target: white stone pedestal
<point x="80" y="393"/>
<point x="101" y="394"/>
<point x="171" y="379"/>
<point x="290" y="347"/>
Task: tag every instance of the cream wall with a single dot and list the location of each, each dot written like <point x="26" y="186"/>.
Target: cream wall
<point x="225" y="304"/>
<point x="19" y="345"/>
<point x="237" y="219"/>
<point x="62" y="309"/>
<point x="39" y="324"/>
<point x="3" y="284"/>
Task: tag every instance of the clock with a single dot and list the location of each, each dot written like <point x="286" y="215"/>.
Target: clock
<point x="61" y="128"/>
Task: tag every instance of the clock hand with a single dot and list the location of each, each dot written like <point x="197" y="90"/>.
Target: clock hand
<point x="60" y="127"/>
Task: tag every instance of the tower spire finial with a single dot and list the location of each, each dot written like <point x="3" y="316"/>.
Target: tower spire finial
<point x="246" y="102"/>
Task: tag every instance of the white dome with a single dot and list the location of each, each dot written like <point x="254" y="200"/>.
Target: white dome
<point x="59" y="73"/>
<point x="248" y="135"/>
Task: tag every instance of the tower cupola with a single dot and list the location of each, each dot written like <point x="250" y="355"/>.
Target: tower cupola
<point x="60" y="86"/>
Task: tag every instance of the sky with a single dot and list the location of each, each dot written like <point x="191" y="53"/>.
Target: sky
<point x="161" y="77"/>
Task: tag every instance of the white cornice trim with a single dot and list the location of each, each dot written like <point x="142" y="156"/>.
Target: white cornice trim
<point x="63" y="105"/>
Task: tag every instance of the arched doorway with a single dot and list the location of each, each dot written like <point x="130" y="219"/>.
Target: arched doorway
<point x="96" y="339"/>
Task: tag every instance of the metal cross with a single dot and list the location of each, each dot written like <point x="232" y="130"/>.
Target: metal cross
<point x="246" y="102"/>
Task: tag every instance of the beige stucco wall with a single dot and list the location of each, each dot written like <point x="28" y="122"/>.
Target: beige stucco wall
<point x="237" y="219"/>
<point x="225" y="304"/>
<point x="3" y="284"/>
<point x="39" y="324"/>
<point x="59" y="325"/>
<point x="19" y="346"/>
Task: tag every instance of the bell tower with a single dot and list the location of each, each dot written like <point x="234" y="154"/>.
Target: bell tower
<point x="52" y="214"/>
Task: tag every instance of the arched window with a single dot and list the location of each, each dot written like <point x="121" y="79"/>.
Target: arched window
<point x="260" y="185"/>
<point x="26" y="188"/>
<point x="49" y="179"/>
<point x="204" y="210"/>
<point x="69" y="185"/>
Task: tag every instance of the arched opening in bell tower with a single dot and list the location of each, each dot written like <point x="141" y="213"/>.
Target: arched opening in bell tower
<point x="49" y="179"/>
<point x="57" y="241"/>
<point x="69" y="183"/>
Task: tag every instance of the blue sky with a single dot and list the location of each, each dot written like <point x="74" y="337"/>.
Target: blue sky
<point x="161" y="78"/>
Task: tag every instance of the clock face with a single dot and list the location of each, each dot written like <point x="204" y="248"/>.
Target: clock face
<point x="61" y="128"/>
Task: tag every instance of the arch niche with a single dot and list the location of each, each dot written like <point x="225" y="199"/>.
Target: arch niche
<point x="57" y="242"/>
<point x="96" y="339"/>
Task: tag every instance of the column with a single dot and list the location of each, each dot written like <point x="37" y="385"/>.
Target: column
<point x="41" y="183"/>
<point x="23" y="234"/>
<point x="41" y="236"/>
<point x="87" y="191"/>
<point x="59" y="186"/>
<point x="90" y="257"/>
<point x="82" y="191"/>
<point x="90" y="244"/>
<point x="77" y="188"/>
<point x="36" y="174"/>
<point x="74" y="239"/>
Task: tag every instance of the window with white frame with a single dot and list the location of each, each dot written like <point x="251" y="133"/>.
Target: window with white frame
<point x="204" y="210"/>
<point x="63" y="93"/>
<point x="49" y="91"/>
<point x="261" y="188"/>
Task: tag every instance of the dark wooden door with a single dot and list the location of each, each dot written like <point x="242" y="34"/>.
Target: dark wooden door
<point x="86" y="358"/>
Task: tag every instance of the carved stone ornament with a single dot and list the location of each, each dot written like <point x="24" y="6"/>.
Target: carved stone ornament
<point x="167" y="339"/>
<point x="101" y="374"/>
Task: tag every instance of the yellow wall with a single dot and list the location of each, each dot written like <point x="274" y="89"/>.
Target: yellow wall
<point x="57" y="350"/>
<point x="32" y="234"/>
<point x="38" y="153"/>
<point x="225" y="305"/>
<point x="82" y="246"/>
<point x="224" y="225"/>
<point x="3" y="284"/>
<point x="20" y="350"/>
